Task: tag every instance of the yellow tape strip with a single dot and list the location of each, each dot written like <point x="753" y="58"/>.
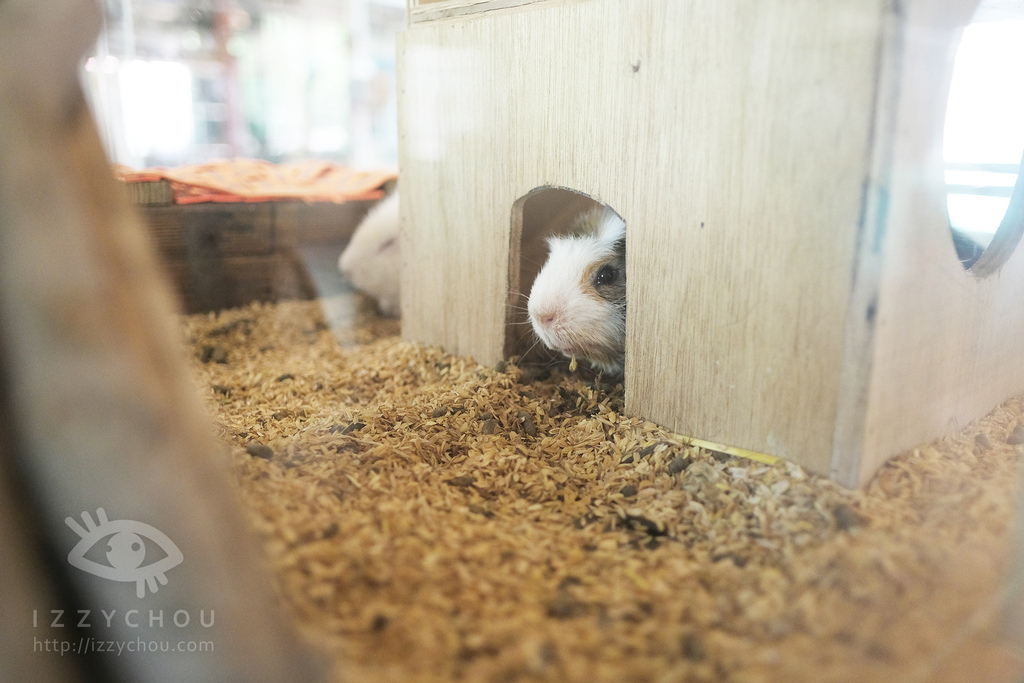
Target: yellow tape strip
<point x="729" y="450"/>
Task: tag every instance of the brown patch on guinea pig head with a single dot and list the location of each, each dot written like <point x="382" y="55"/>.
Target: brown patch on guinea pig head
<point x="606" y="279"/>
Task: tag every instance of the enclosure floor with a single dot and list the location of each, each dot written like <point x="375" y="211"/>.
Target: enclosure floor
<point x="430" y="519"/>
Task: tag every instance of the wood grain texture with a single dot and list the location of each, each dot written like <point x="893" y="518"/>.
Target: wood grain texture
<point x="433" y="10"/>
<point x="868" y="260"/>
<point x="793" y="288"/>
<point x="737" y="157"/>
<point x="947" y="343"/>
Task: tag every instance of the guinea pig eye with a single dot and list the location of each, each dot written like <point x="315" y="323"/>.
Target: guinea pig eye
<point x="606" y="275"/>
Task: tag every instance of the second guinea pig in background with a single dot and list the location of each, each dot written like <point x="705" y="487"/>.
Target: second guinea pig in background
<point x="372" y="260"/>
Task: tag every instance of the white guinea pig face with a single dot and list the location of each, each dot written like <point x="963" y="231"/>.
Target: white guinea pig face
<point x="372" y="261"/>
<point x="578" y="301"/>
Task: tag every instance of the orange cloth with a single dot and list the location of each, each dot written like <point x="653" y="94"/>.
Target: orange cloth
<point x="255" y="180"/>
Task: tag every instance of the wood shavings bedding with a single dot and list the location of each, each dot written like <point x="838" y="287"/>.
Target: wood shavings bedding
<point x="430" y="519"/>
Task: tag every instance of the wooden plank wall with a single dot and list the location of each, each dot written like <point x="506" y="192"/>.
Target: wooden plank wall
<point x="733" y="137"/>
<point x="947" y="344"/>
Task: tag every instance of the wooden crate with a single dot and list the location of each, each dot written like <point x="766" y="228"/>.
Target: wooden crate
<point x="793" y="288"/>
<point x="224" y="255"/>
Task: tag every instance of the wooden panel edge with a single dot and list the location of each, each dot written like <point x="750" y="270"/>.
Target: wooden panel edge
<point x="858" y="339"/>
<point x="454" y="9"/>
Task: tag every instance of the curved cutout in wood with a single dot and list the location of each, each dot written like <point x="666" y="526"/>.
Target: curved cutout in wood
<point x="543" y="211"/>
<point x="1008" y="234"/>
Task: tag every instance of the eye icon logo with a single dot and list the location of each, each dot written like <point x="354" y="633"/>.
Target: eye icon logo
<point x="126" y="551"/>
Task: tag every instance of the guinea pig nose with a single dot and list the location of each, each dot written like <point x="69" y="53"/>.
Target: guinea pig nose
<point x="547" y="319"/>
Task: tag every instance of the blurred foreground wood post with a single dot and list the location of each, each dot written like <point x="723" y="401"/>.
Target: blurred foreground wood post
<point x="97" y="411"/>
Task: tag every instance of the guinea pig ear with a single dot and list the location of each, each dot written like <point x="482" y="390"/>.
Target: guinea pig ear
<point x="612" y="226"/>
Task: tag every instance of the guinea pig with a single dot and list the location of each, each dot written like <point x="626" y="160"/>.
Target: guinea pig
<point x="577" y="304"/>
<point x="372" y="260"/>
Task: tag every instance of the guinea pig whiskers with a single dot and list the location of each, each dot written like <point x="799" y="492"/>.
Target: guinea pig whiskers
<point x="519" y="307"/>
<point x="531" y="261"/>
<point x="532" y="346"/>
